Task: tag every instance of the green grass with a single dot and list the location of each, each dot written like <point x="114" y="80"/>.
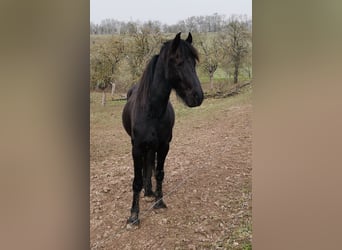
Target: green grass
<point x="240" y="238"/>
<point x="220" y="77"/>
<point x="210" y="105"/>
<point x="111" y="112"/>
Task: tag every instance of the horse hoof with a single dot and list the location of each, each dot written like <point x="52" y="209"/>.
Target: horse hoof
<point x="160" y="204"/>
<point x="133" y="220"/>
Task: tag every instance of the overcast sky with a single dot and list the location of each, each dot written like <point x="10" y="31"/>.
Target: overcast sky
<point x="165" y="11"/>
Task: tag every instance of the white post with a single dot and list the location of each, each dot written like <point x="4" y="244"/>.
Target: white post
<point x="113" y="89"/>
<point x="103" y="98"/>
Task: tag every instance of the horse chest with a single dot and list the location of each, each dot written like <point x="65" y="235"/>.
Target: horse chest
<point x="151" y="132"/>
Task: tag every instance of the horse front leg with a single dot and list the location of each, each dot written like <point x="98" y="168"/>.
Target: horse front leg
<point x="137" y="185"/>
<point x="161" y="155"/>
<point x="149" y="165"/>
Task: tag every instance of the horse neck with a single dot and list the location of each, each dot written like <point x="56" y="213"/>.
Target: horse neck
<point x="160" y="91"/>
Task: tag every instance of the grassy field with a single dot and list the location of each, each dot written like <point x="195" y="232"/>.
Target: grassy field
<point x="99" y="114"/>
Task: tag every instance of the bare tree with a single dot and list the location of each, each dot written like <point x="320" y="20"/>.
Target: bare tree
<point x="153" y="26"/>
<point x="210" y="53"/>
<point x="104" y="59"/>
<point x="236" y="42"/>
<point x="144" y="45"/>
<point x="191" y="24"/>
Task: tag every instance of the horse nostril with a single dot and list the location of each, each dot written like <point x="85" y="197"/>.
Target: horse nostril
<point x="198" y="98"/>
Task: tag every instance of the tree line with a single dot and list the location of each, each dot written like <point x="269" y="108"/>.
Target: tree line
<point x="195" y="24"/>
<point x="119" y="51"/>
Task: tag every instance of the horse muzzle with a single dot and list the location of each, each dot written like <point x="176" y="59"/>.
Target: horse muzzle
<point x="194" y="99"/>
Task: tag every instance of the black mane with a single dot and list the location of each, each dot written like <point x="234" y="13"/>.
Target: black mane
<point x="146" y="80"/>
<point x="184" y="48"/>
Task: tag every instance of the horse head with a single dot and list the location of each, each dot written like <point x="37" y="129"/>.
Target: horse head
<point x="181" y="70"/>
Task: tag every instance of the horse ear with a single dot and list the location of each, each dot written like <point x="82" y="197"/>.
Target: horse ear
<point x="175" y="42"/>
<point x="189" y="39"/>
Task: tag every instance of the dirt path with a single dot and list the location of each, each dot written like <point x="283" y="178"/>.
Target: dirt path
<point x="207" y="171"/>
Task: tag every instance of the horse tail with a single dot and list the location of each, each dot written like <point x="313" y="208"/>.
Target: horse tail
<point x="151" y="160"/>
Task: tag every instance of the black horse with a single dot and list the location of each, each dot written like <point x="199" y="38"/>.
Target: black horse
<point x="148" y="116"/>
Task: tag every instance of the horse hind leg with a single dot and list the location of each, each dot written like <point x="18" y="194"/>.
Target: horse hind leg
<point x="161" y="155"/>
<point x="149" y="166"/>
